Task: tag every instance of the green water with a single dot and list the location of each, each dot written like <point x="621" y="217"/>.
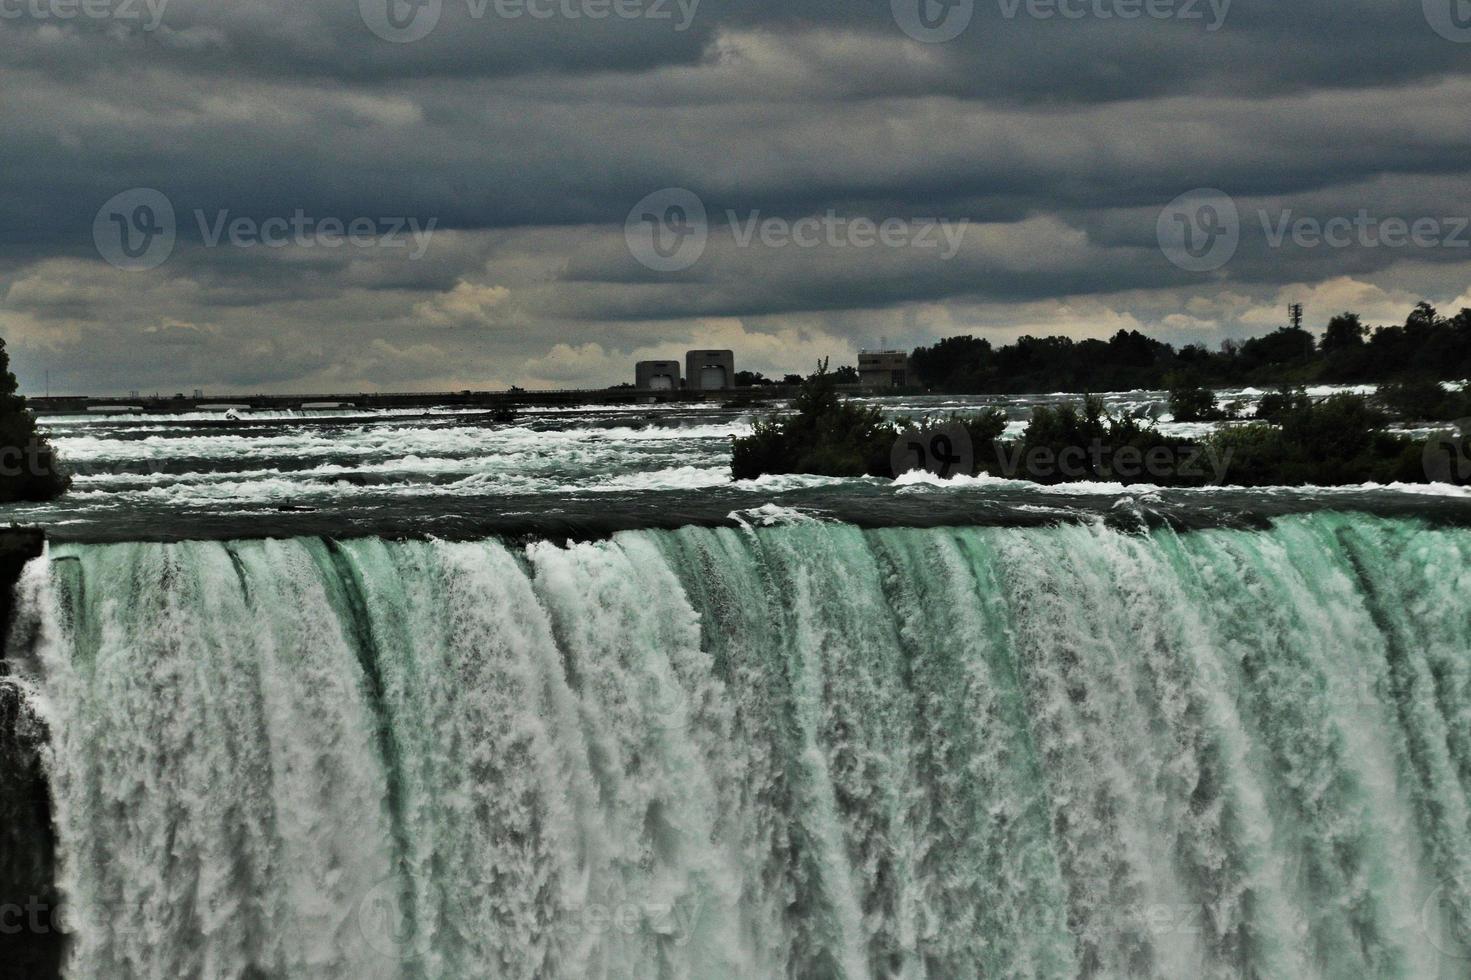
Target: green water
<point x="803" y="750"/>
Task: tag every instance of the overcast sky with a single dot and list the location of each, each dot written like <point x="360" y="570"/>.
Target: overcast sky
<point x="525" y="180"/>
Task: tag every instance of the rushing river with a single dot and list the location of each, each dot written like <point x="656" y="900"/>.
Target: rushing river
<point x="830" y="729"/>
<point x="583" y="472"/>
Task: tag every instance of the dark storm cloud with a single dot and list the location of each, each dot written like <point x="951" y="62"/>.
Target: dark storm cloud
<point x="526" y="142"/>
<point x="1010" y="50"/>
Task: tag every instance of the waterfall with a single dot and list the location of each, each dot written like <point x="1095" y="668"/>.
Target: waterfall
<point x="798" y="750"/>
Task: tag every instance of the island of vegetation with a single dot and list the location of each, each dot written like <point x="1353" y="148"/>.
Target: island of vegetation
<point x="1290" y="440"/>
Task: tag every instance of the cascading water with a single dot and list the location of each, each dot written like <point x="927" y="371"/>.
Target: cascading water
<point x="802" y="750"/>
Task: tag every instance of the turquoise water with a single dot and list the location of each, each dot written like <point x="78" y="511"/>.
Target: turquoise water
<point x="802" y="750"/>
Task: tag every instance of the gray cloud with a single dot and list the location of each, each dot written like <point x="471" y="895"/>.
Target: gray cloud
<point x="526" y="142"/>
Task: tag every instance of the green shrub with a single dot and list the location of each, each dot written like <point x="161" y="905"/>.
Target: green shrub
<point x="29" y="469"/>
<point x="827" y="436"/>
<point x="1277" y="404"/>
<point x="985" y="430"/>
<point x="1191" y="404"/>
<point x="1339" y="440"/>
<point x="1334" y="442"/>
<point x="1067" y="443"/>
<point x="1422" y="400"/>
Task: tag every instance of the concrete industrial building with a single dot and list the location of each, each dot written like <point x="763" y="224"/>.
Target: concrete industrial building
<point x="709" y="370"/>
<point x="657" y="376"/>
<point x="883" y="368"/>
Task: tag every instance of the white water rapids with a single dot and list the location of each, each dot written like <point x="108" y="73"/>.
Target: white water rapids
<point x="801" y="750"/>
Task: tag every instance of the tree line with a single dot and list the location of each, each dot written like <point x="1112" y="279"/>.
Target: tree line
<point x="1427" y="346"/>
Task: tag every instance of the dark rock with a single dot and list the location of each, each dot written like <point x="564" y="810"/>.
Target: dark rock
<point x="31" y="946"/>
<point x="18" y="545"/>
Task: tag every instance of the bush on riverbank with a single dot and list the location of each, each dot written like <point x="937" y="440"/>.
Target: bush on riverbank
<point x="29" y="469"/>
<point x="827" y="436"/>
<point x="985" y="430"/>
<point x="1337" y="441"/>
<point x="1189" y="403"/>
<point x="1423" y="400"/>
<point x="1065" y="443"/>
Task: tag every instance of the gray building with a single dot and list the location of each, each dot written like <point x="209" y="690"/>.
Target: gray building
<point x="883" y="368"/>
<point x="709" y="370"/>
<point x="657" y="375"/>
